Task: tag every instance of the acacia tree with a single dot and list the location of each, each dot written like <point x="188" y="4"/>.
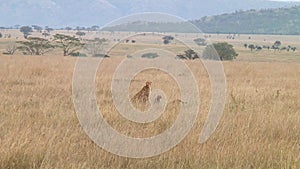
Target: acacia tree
<point x="167" y="39"/>
<point x="276" y="45"/>
<point x="11" y="48"/>
<point x="200" y="42"/>
<point x="48" y="29"/>
<point x="68" y="28"/>
<point x="80" y="34"/>
<point x="35" y="46"/>
<point x="251" y="46"/>
<point x="26" y="30"/>
<point x="37" y="28"/>
<point x="68" y="43"/>
<point x="95" y="47"/>
<point x="45" y="34"/>
<point x="95" y="28"/>
<point x="188" y="54"/>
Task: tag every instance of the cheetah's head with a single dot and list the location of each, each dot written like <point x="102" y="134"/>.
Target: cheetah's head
<point x="148" y="83"/>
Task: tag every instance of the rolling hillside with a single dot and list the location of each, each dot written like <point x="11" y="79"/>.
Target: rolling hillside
<point x="284" y="21"/>
<point x="270" y="21"/>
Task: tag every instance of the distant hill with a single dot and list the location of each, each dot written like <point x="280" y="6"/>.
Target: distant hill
<point x="147" y="26"/>
<point x="267" y="21"/>
<point x="270" y="21"/>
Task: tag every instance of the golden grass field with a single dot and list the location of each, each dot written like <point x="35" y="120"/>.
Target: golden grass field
<point x="260" y="127"/>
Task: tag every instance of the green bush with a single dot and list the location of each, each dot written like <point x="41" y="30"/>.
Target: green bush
<point x="150" y="55"/>
<point x="78" y="54"/>
<point x="188" y="55"/>
<point x="101" y="55"/>
<point x="219" y="51"/>
<point x="200" y="42"/>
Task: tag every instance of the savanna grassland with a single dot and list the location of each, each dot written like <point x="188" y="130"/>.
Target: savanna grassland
<point x="260" y="127"/>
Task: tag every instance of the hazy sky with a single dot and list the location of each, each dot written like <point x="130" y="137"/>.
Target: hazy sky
<point x="286" y="0"/>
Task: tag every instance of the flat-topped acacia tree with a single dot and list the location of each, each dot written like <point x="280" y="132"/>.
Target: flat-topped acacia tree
<point x="35" y="46"/>
<point x="95" y="47"/>
<point x="68" y="43"/>
<point x="26" y="30"/>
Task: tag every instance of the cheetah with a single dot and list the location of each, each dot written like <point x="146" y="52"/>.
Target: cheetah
<point x="141" y="99"/>
<point x="158" y="99"/>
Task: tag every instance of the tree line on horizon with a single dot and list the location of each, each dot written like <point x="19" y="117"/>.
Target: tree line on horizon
<point x="71" y="45"/>
<point x="39" y="46"/>
<point x="277" y="46"/>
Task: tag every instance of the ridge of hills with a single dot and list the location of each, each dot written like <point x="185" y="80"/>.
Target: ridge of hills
<point x="285" y="21"/>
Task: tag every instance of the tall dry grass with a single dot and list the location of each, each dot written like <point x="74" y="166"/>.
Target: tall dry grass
<point x="260" y="127"/>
